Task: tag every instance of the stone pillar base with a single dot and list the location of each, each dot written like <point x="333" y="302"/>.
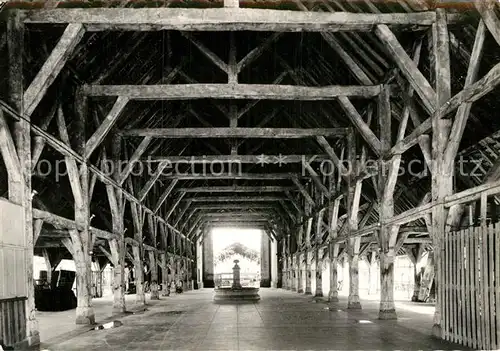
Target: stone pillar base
<point x="354" y="305"/>
<point x="437" y="331"/>
<point x="387" y="314"/>
<point x="274" y="284"/>
<point x="333" y="298"/>
<point x="318" y="294"/>
<point x="30" y="340"/>
<point x="85" y="315"/>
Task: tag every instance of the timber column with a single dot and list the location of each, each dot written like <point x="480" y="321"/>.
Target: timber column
<point x="318" y="256"/>
<point x="138" y="254"/>
<point x="352" y="244"/>
<point x="155" y="295"/>
<point x="265" y="279"/>
<point x="334" y="250"/>
<point x="444" y="151"/>
<point x="388" y="234"/>
<point x="20" y="190"/>
<point x="298" y="264"/>
<point x="298" y="261"/>
<point x="274" y="264"/>
<point x="81" y="238"/>
<point x="199" y="265"/>
<point x="208" y="260"/>
<point x="117" y="246"/>
<point x="308" y="258"/>
<point x="164" y="275"/>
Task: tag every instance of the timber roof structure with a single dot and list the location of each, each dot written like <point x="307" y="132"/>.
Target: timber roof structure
<point x="247" y="116"/>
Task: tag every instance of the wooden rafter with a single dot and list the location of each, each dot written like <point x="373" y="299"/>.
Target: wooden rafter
<point x="234" y="132"/>
<point x="230" y="91"/>
<point x="225" y="19"/>
<point x="52" y="66"/>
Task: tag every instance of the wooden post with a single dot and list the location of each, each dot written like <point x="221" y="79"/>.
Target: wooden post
<point x="138" y="254"/>
<point x="48" y="264"/>
<point x="81" y="238"/>
<point x="20" y="185"/>
<point x="333" y="295"/>
<point x="154" y="275"/>
<point x="284" y="267"/>
<point x="352" y="245"/>
<point x="318" y="259"/>
<point x="415" y="255"/>
<point x="164" y="269"/>
<point x="442" y="175"/>
<point x="387" y="235"/>
<point x="298" y="262"/>
<point x="298" y="268"/>
<point x="117" y="246"/>
<point x="172" y="270"/>
<point x="307" y="256"/>
<point x="293" y="266"/>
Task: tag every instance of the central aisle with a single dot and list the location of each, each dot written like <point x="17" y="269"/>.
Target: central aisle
<point x="283" y="320"/>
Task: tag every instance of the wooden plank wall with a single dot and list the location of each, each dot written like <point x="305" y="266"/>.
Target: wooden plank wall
<point x="13" y="320"/>
<point x="471" y="287"/>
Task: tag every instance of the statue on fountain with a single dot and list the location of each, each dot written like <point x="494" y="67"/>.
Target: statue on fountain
<point x="236" y="293"/>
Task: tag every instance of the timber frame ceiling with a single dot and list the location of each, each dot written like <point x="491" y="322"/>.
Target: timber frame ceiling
<point x="180" y="83"/>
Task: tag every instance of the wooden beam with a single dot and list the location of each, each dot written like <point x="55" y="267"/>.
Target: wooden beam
<point x="234" y="132"/>
<point x="463" y="112"/>
<point x="165" y="194"/>
<point x="303" y="191"/>
<point x="152" y="180"/>
<point x="360" y="125"/>
<point x="353" y="66"/>
<point x="316" y="178"/>
<point x="237" y="159"/>
<point x="236" y="213"/>
<point x="63" y="223"/>
<point x="174" y="205"/>
<point x="231" y="91"/>
<point x="52" y="66"/>
<point x="412" y="139"/>
<point x="207" y="52"/>
<point x="233" y="206"/>
<point x="134" y="159"/>
<point x="9" y="153"/>
<point x="108" y="123"/>
<point x="236" y="189"/>
<point x="225" y="19"/>
<point x="344" y="172"/>
<point x="473" y="92"/>
<point x="487" y="10"/>
<point x="249" y="176"/>
<point x="236" y="198"/>
<point x="408" y="67"/>
<point x="258" y="51"/>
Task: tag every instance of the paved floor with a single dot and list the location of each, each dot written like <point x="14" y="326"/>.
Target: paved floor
<point x="282" y="320"/>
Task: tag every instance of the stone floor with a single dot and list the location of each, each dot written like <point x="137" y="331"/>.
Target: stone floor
<point x="282" y="320"/>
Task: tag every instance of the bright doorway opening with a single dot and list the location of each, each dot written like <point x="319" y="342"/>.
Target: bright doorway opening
<point x="244" y="245"/>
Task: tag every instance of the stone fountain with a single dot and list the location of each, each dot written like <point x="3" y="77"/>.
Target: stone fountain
<point x="236" y="293"/>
